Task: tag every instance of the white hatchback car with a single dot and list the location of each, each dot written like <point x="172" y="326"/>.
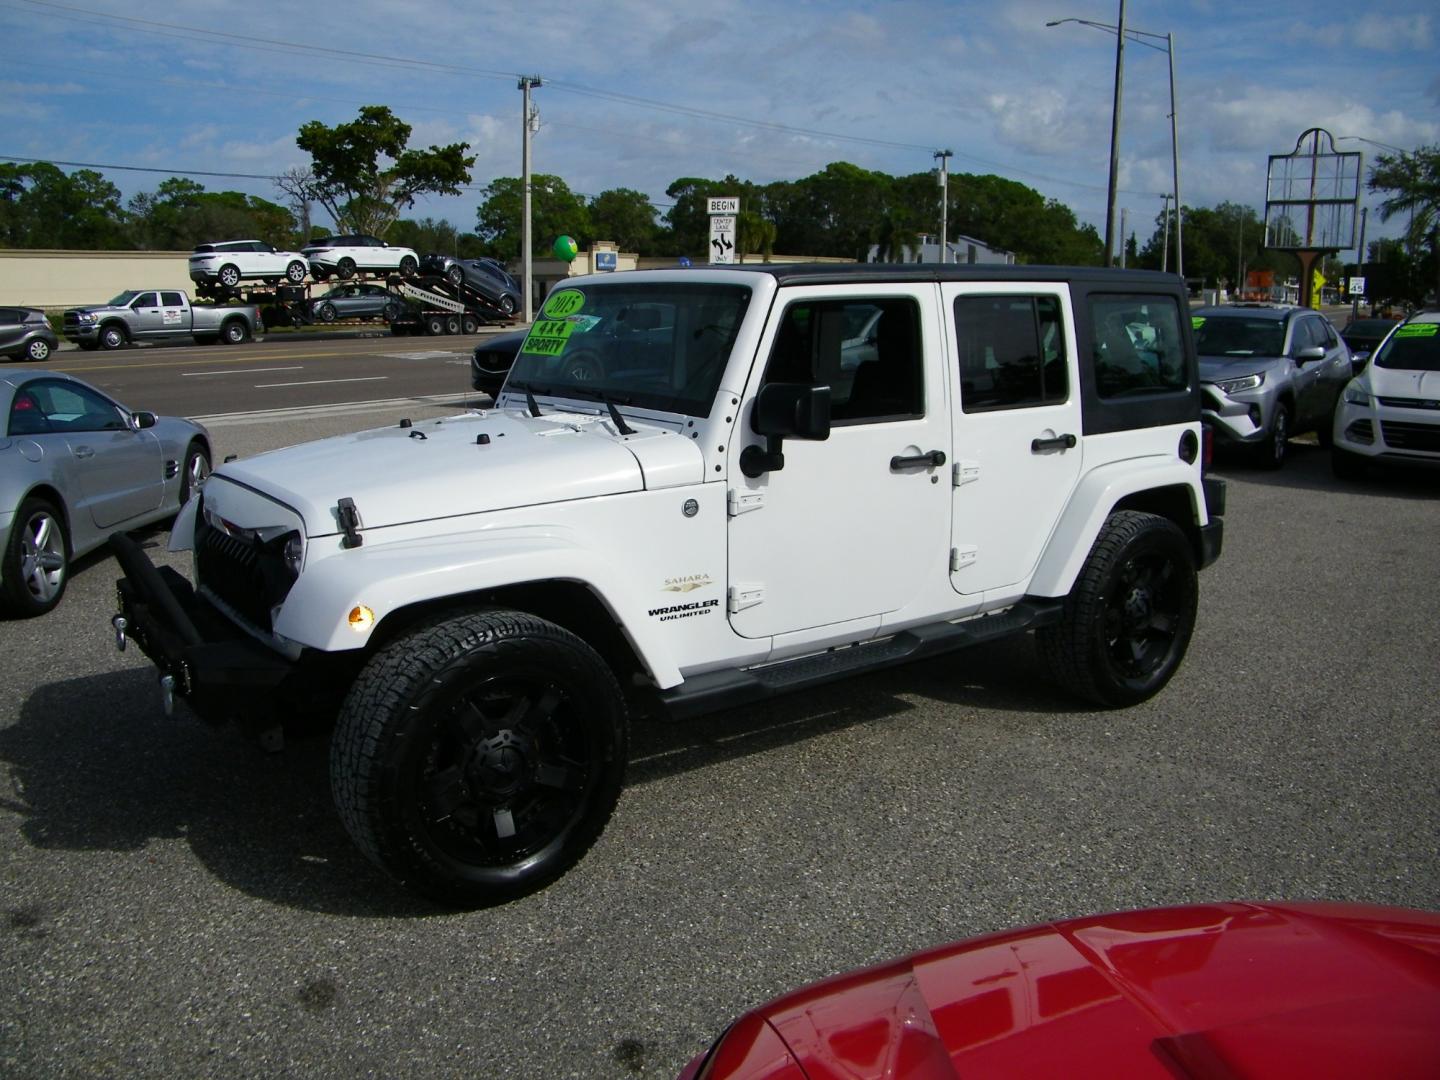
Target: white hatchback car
<point x="234" y="261"/>
<point x="346" y="256"/>
<point x="1390" y="413"/>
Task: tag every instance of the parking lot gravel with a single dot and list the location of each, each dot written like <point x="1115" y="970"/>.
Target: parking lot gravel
<point x="178" y="903"/>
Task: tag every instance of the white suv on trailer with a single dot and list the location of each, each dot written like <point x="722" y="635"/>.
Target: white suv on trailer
<point x="346" y="256"/>
<point x="694" y="492"/>
<point x="232" y="261"/>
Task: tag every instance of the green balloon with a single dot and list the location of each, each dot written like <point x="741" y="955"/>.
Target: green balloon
<point x="566" y="248"/>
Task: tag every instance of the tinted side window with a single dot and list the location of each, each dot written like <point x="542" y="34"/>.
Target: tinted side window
<point x="171" y="299"/>
<point x="1011" y="352"/>
<point x="1136" y="346"/>
<point x="67" y="406"/>
<point x="867" y="351"/>
<point x="144" y="300"/>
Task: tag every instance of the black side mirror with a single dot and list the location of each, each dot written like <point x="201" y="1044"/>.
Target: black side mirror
<point x="142" y="420"/>
<point x="799" y="410"/>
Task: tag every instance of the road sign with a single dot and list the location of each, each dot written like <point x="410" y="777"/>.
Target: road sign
<point x="1356" y="286"/>
<point x="722" y="239"/>
<point x="729" y="205"/>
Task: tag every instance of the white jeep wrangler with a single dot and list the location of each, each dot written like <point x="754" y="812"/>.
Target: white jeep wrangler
<point x="697" y="489"/>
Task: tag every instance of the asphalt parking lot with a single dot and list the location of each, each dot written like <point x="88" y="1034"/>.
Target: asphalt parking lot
<point x="177" y="903"/>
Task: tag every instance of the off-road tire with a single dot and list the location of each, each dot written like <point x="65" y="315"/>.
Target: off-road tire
<point x="1128" y="619"/>
<point x="38" y="532"/>
<point x="464" y="728"/>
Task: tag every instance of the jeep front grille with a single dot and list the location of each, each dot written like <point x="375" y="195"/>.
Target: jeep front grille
<point x="248" y="575"/>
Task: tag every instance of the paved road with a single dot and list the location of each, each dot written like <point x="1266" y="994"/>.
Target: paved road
<point x="176" y="903"/>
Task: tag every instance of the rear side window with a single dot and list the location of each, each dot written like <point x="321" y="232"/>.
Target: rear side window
<point x="171" y="299"/>
<point x="1011" y="352"/>
<point x="1136" y="348"/>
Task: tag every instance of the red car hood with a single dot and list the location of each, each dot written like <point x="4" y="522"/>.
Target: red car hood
<point x="1218" y="991"/>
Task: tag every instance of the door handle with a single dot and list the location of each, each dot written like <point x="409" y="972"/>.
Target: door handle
<point x="1059" y="442"/>
<point x="84" y="452"/>
<point x="933" y="460"/>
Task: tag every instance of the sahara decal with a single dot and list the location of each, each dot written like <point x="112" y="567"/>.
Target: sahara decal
<point x="689" y="583"/>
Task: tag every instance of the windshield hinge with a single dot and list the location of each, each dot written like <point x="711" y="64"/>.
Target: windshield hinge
<point x="350" y="523"/>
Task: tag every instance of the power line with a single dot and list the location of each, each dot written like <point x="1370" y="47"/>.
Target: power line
<point x="137" y="168"/>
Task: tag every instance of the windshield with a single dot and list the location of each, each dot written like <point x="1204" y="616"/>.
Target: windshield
<point x="656" y="345"/>
<point x="1413" y="347"/>
<point x="124" y="298"/>
<point x="1228" y="335"/>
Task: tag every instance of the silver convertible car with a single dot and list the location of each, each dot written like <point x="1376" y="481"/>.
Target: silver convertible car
<point x="76" y="466"/>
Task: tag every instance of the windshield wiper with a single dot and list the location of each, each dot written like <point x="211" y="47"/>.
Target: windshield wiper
<point x="530" y="392"/>
<point x="609" y="402"/>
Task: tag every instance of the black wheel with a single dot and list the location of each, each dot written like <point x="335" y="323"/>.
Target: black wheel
<point x="320" y="275"/>
<point x="197" y="468"/>
<point x="36" y="560"/>
<point x="391" y="313"/>
<point x="1129" y="616"/>
<point x="235" y="332"/>
<point x="470" y="325"/>
<point x="113" y="336"/>
<point x="408" y="266"/>
<point x="582" y="366"/>
<point x="452" y="324"/>
<point x="295" y="272"/>
<point x="1347" y="465"/>
<point x="327" y="312"/>
<point x="507" y="304"/>
<point x="1270" y="454"/>
<point x="455" y="276"/>
<point x="38" y="350"/>
<point x="477" y="759"/>
<point x="229" y="276"/>
<point x="434" y="325"/>
<point x="345" y="268"/>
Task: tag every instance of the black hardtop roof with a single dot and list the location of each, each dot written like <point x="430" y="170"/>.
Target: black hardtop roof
<point x="1249" y="311"/>
<point x="839" y="273"/>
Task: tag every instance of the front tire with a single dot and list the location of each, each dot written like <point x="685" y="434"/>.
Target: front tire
<point x="113" y="337"/>
<point x="37" y="560"/>
<point x="1270" y="454"/>
<point x="455" y="276"/>
<point x="295" y="272"/>
<point x="408" y="266"/>
<point x="1128" y="619"/>
<point x="507" y="304"/>
<point x="327" y="312"/>
<point x="196" y="469"/>
<point x="229" y="276"/>
<point x="345" y="268"/>
<point x="477" y="759"/>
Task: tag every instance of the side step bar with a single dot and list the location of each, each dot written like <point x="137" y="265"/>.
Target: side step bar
<point x="717" y="690"/>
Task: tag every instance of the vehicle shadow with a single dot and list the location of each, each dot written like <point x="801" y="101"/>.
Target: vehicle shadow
<point x="1307" y="467"/>
<point x="96" y="766"/>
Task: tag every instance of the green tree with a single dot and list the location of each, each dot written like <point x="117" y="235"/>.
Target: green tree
<point x="180" y="214"/>
<point x="1220" y="242"/>
<point x="555" y="210"/>
<point x="1413" y="183"/>
<point x="429" y="235"/>
<point x="625" y="216"/>
<point x="46" y="208"/>
<point x="364" y="175"/>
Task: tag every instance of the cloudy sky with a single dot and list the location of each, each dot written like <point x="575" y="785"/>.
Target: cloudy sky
<point x="638" y="93"/>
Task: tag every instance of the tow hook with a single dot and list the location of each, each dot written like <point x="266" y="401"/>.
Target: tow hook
<point x="120" y="623"/>
<point x="167" y="694"/>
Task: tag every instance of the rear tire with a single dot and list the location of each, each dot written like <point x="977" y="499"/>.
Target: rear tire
<point x="434" y="325"/>
<point x="455" y="276"/>
<point x="1128" y="619"/>
<point x="470" y="325"/>
<point x="507" y="304"/>
<point x="229" y="276"/>
<point x="327" y="312"/>
<point x="38" y="351"/>
<point x="408" y="266"/>
<point x="234" y="332"/>
<point x="37" y="560"/>
<point x="477" y="759"/>
<point x="345" y="268"/>
<point x="452" y="324"/>
<point x="295" y="272"/>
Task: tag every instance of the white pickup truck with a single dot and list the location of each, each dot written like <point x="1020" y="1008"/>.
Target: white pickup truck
<point x="159" y="315"/>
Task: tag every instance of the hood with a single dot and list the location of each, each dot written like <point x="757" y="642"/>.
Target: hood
<point x="1222" y="990"/>
<point x="466" y="464"/>
<point x="1403" y="383"/>
<point x="1228" y="367"/>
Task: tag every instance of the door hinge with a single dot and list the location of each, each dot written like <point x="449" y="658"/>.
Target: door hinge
<point x="745" y="596"/>
<point x="962" y="557"/>
<point x="742" y="502"/>
<point x="964" y="472"/>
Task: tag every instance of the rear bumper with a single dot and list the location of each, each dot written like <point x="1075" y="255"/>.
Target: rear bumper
<point x="1212" y="536"/>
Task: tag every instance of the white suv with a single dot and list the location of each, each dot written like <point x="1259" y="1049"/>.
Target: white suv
<point x="690" y="495"/>
<point x="1390" y="413"/>
<point x="346" y="256"/>
<point x="233" y="261"/>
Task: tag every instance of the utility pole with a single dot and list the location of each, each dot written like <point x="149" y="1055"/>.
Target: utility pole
<point x="1124" y="232"/>
<point x="1175" y="158"/>
<point x="1115" y="138"/>
<point x="1360" y="264"/>
<point x="527" y="117"/>
<point x="1165" y="242"/>
<point x="944" y="156"/>
<point x="1239" y="253"/>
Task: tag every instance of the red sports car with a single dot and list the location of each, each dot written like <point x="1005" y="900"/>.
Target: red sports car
<point x="1213" y="992"/>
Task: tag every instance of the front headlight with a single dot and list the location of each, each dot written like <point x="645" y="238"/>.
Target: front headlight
<point x="1355" y="395"/>
<point x="1244" y="382"/>
<point x="87" y="317"/>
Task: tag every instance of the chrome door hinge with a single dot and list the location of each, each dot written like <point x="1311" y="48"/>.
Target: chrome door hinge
<point x="742" y="502"/>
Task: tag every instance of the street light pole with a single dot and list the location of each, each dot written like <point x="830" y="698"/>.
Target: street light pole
<point x="944" y="157"/>
<point x="1175" y="159"/>
<point x="1115" y="138"/>
<point x="527" y="83"/>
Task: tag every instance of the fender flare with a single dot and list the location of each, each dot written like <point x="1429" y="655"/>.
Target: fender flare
<point x="388" y="578"/>
<point x="1092" y="502"/>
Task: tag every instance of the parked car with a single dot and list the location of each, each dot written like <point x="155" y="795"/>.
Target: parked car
<point x="234" y="261"/>
<point x="346" y="256"/>
<point x="492" y="359"/>
<point x="358" y="301"/>
<point x="25" y="334"/>
<point x="160" y="315"/>
<point x="1268" y="372"/>
<point x="488" y="277"/>
<point x="1364" y="336"/>
<point x="1390" y="413"/>
<point x="1265" y="991"/>
<point x="76" y="466"/>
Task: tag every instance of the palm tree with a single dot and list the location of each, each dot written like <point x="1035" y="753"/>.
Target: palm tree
<point x="754" y="232"/>
<point x="1414" y="180"/>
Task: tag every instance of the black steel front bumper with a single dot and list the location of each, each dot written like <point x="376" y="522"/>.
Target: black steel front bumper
<point x="214" y="665"/>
